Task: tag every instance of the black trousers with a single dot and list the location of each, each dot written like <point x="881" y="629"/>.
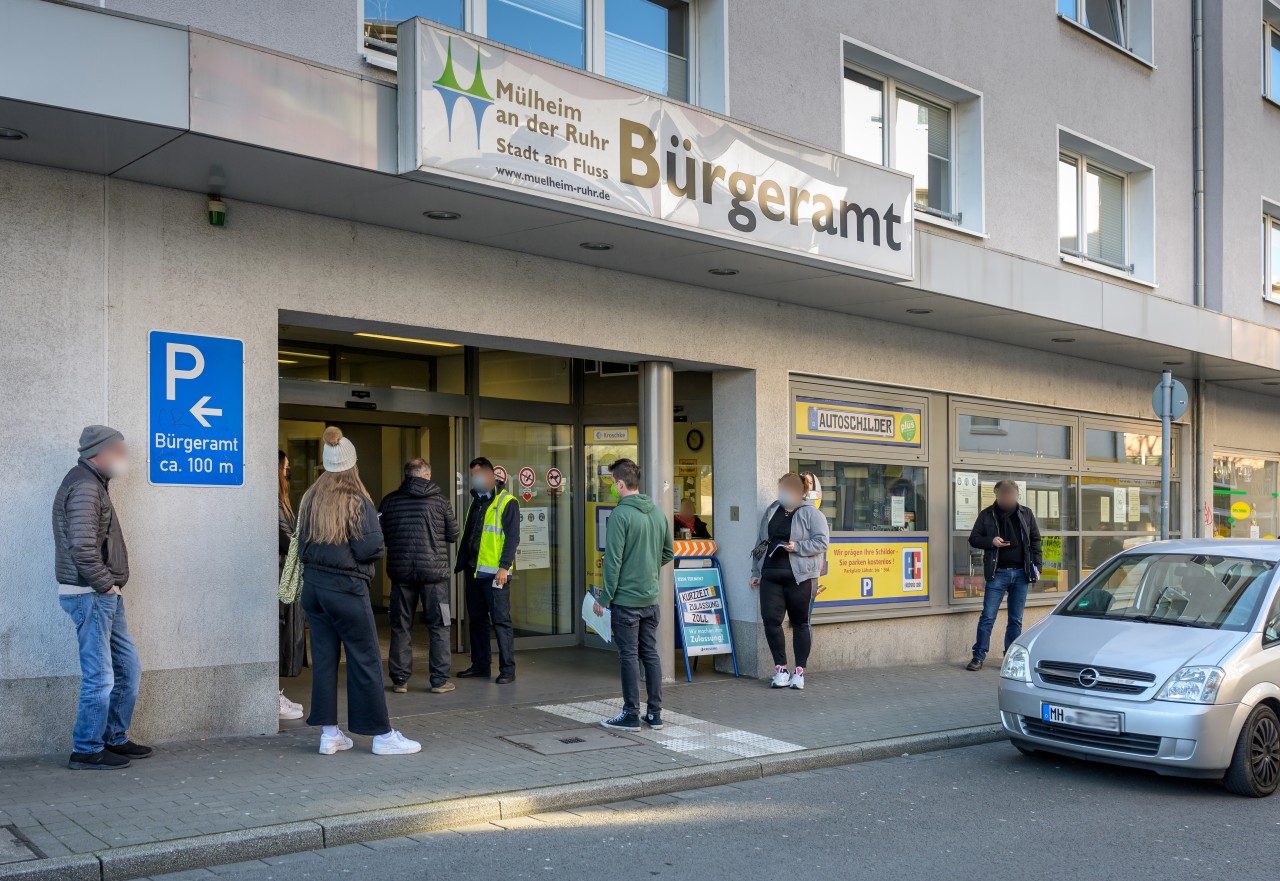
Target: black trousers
<point x="339" y="619"/>
<point x="780" y="595"/>
<point x="293" y="639"/>
<point x="489" y="606"/>
<point x="635" y="633"/>
<point x="405" y="599"/>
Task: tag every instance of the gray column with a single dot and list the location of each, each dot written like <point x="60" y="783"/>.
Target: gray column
<point x="657" y="465"/>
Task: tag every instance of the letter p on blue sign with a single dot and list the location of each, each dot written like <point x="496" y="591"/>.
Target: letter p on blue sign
<point x="868" y="585"/>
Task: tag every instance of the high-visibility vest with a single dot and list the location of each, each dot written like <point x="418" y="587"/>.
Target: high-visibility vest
<point x="492" y="538"/>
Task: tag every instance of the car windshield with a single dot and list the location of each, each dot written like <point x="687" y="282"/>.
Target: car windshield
<point x="1181" y="590"/>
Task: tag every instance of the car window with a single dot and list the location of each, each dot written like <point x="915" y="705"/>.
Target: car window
<point x="1271" y="627"/>
<point x="1191" y="590"/>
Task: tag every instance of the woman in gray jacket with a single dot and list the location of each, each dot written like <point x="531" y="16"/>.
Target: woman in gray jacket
<point x="792" y="546"/>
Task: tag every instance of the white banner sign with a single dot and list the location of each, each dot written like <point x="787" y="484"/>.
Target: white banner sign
<point x="473" y="110"/>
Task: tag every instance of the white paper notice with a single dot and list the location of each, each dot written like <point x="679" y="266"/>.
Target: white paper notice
<point x="1053" y="504"/>
<point x="1022" y="491"/>
<point x="897" y="511"/>
<point x="987" y="497"/>
<point x="1042" y="503"/>
<point x="1119" y="504"/>
<point x="534" y="551"/>
<point x="1135" y="504"/>
<point x="1254" y="532"/>
<point x="601" y="624"/>
<point x="966" y="499"/>
<point x="1104" y="509"/>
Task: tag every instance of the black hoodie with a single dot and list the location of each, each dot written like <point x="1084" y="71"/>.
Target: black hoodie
<point x="418" y="523"/>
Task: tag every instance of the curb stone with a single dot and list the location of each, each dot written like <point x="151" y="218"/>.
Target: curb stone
<point x="141" y="860"/>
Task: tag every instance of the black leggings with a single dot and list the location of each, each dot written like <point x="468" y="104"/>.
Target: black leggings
<point x="780" y="594"/>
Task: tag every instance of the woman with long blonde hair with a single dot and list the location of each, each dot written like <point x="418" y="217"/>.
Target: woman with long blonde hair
<point x="338" y="541"/>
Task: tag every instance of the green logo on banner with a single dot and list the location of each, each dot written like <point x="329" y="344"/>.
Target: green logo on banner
<point x="450" y="90"/>
<point x="907" y="427"/>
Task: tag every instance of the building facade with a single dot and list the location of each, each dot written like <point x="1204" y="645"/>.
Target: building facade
<point x="1082" y="194"/>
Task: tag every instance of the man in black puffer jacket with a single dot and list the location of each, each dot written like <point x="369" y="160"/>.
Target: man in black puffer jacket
<point x="419" y="526"/>
<point x="92" y="568"/>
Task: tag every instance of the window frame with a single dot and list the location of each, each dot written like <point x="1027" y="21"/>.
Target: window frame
<point x="1129" y="34"/>
<point x="889" y="87"/>
<point x="1270" y="226"/>
<point x="1083" y="163"/>
<point x="475" y="21"/>
<point x="1270" y="31"/>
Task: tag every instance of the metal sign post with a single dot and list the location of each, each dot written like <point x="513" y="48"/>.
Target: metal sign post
<point x="1169" y="400"/>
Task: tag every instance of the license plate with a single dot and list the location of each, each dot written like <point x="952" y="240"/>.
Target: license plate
<point x="1096" y="719"/>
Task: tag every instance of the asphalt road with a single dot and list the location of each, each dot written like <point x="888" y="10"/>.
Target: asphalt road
<point x="980" y="812"/>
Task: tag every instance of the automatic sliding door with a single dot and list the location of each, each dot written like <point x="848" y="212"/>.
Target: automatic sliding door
<point x="542" y="606"/>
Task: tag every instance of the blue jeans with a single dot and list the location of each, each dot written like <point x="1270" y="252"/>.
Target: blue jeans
<point x="109" y="668"/>
<point x="635" y="633"/>
<point x="1007" y="581"/>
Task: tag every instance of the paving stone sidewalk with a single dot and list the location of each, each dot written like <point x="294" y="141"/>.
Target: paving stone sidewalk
<point x="220" y="785"/>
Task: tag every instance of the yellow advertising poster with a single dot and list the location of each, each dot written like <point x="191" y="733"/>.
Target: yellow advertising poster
<point x="817" y="419"/>
<point x="874" y="570"/>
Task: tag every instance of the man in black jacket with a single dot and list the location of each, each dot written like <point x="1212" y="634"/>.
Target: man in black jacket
<point x="1009" y="537"/>
<point x="418" y="525"/>
<point x="91" y="564"/>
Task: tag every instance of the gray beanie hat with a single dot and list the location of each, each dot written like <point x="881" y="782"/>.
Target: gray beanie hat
<point x="96" y="438"/>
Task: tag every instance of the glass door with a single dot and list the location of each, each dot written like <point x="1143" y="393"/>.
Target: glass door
<point x="538" y="459"/>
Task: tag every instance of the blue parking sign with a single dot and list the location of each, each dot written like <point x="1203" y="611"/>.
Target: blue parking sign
<point x="196" y="405"/>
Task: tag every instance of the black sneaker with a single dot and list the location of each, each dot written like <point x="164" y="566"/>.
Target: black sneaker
<point x="131" y="750"/>
<point x="624" y="721"/>
<point x="975" y="664"/>
<point x="653" y="720"/>
<point x="473" y="673"/>
<point x="102" y="760"/>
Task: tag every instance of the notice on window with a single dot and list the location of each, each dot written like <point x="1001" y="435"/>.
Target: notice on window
<point x="534" y="551"/>
<point x="1119" y="505"/>
<point x="898" y="512"/>
<point x="1135" y="504"/>
<point x="1104" y="509"/>
<point x="1022" y="490"/>
<point x="1053" y="505"/>
<point x="966" y="499"/>
<point x="988" y="493"/>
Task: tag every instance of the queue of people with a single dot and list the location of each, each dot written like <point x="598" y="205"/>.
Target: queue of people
<point x="339" y="534"/>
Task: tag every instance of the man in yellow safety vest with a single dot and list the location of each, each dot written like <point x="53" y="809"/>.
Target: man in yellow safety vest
<point x="486" y="556"/>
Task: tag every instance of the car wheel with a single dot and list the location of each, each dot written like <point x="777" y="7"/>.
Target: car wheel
<point x="1255" y="765"/>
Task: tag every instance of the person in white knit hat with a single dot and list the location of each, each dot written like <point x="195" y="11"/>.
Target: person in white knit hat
<point x="338" y="541"/>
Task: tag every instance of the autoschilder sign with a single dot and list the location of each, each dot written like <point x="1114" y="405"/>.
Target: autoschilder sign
<point x="473" y="110"/>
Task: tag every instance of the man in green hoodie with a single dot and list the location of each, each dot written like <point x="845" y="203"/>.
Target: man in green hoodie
<point x="637" y="545"/>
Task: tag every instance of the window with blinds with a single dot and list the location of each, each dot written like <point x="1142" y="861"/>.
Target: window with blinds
<point x="1271" y="257"/>
<point x="1271" y="70"/>
<point x="1092" y="214"/>
<point x="887" y="124"/>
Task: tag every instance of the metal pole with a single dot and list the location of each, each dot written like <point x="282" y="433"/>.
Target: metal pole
<point x="1166" y="409"/>
<point x="1197" y="155"/>
<point x="657" y="465"/>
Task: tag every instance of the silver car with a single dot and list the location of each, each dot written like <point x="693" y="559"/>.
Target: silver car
<point x="1167" y="657"/>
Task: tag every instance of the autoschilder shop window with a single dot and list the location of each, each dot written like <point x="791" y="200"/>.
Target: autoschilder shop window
<point x="870" y="451"/>
<point x="1093" y="484"/>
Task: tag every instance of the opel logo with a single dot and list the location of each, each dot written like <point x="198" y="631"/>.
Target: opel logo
<point x="1088" y="677"/>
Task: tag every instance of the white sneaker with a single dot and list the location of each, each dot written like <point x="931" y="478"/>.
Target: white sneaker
<point x="781" y="678"/>
<point x="288" y="709"/>
<point x="393" y="743"/>
<point x="797" y="678"/>
<point x="330" y="745"/>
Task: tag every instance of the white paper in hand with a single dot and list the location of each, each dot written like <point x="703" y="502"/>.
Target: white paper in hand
<point x="599" y="623"/>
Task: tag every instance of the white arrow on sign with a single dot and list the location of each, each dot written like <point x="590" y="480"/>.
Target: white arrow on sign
<point x="199" y="410"/>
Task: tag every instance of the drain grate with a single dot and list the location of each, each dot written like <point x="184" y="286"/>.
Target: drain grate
<point x="16" y="847"/>
<point x="576" y="740"/>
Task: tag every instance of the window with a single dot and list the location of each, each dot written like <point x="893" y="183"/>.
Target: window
<point x="382" y="16"/>
<point x="1271" y="61"/>
<point x="1125" y="447"/>
<point x="917" y="140"/>
<point x="1123" y="23"/>
<point x="870" y="497"/>
<point x="1271" y="257"/>
<point x="1012" y="437"/>
<point x="644" y="43"/>
<point x="1091" y="212"/>
<point x="1246" y="496"/>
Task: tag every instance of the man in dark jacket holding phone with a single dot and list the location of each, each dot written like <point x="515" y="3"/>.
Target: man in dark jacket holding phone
<point x="91" y="564"/>
<point x="418" y="526"/>
<point x="1009" y="537"/>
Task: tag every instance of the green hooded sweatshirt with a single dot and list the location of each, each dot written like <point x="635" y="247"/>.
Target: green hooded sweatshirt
<point x="637" y="544"/>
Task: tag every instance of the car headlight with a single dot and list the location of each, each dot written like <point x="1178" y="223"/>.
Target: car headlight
<point x="1192" y="685"/>
<point x="1017" y="664"/>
